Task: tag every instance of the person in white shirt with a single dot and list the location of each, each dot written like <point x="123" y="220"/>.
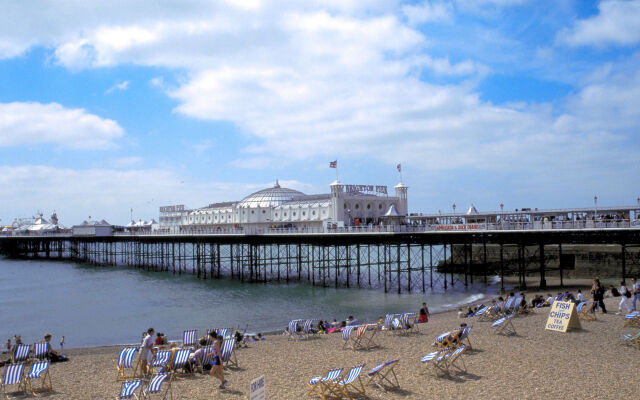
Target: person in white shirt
<point x="635" y="292"/>
<point x="625" y="298"/>
<point x="579" y="296"/>
<point x="147" y="350"/>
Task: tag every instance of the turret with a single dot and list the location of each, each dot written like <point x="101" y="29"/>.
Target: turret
<point x="401" y="194"/>
<point x="337" y="190"/>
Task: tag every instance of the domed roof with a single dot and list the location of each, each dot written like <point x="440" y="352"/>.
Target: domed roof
<point x="269" y="197"/>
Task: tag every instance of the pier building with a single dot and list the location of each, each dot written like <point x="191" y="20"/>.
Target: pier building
<point x="279" y="207"/>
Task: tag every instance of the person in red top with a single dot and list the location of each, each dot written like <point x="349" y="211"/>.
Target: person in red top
<point x="424" y="313"/>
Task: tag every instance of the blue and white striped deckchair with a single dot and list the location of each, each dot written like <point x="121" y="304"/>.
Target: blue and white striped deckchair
<point x="180" y="361"/>
<point x="632" y="319"/>
<point x="481" y="312"/>
<point x="307" y="329"/>
<point x="407" y="323"/>
<point x="156" y="384"/>
<point x="379" y="374"/>
<point x="129" y="389"/>
<point x="39" y="370"/>
<point x="346" y="337"/>
<point x="325" y="385"/>
<point x="351" y="384"/>
<point x="125" y="361"/>
<point x="515" y="307"/>
<point x="228" y="357"/>
<point x="465" y="335"/>
<point x="441" y="341"/>
<point x="435" y="361"/>
<point x="387" y="325"/>
<point x="190" y="338"/>
<point x="506" y="307"/>
<point x="20" y="353"/>
<point x="13" y="375"/>
<point x="293" y="329"/>
<point x="453" y="360"/>
<point x="504" y="326"/>
<point x="632" y="339"/>
<point x="159" y="361"/>
<point x="40" y="350"/>
<point x="224" y="333"/>
<point x="206" y="355"/>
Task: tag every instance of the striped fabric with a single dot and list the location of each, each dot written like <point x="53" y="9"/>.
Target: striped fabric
<point x="21" y="353"/>
<point x="160" y="358"/>
<point x="227" y="349"/>
<point x="293" y="327"/>
<point x="331" y="376"/>
<point x="465" y="333"/>
<point x="189" y="337"/>
<point x="633" y="315"/>
<point x="499" y="322"/>
<point x="223" y="332"/>
<point x="127" y="361"/>
<point x="13" y="374"/>
<point x="129" y="388"/>
<point x="40" y="350"/>
<point x="37" y="369"/>
<point x="207" y="354"/>
<point x="430" y="356"/>
<point x="181" y="358"/>
<point x="517" y="303"/>
<point x="481" y="311"/>
<point x="387" y="321"/>
<point x="308" y="325"/>
<point x="378" y="367"/>
<point x="407" y="318"/>
<point x="508" y="303"/>
<point x="456" y="352"/>
<point x="156" y="383"/>
<point x="347" y="331"/>
<point x="580" y="306"/>
<point x="352" y="375"/>
<point x="440" y="338"/>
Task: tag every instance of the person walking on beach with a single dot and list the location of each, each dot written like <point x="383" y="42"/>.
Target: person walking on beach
<point x="424" y="313"/>
<point x="147" y="351"/>
<point x="625" y="298"/>
<point x="216" y="363"/>
<point x="635" y="292"/>
<point x="597" y="290"/>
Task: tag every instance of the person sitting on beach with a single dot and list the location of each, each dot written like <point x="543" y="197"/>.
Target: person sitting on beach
<point x="579" y="296"/>
<point x="160" y="339"/>
<point x="53" y="355"/>
<point x="352" y="321"/>
<point x="424" y="313"/>
<point x="614" y="292"/>
<point x="147" y="351"/>
<point x="549" y="301"/>
<point x="198" y="356"/>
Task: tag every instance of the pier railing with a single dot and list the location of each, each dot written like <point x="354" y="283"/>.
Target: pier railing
<point x="373" y="229"/>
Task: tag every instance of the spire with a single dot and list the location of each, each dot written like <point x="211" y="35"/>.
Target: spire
<point x="277" y="185"/>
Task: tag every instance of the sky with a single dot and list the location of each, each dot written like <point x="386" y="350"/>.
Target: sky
<point x="109" y="106"/>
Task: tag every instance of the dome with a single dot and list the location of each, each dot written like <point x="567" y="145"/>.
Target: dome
<point x="269" y="197"/>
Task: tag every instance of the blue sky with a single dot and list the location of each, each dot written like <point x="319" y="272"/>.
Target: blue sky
<point x="138" y="104"/>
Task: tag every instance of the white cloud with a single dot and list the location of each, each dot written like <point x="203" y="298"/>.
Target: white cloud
<point x="126" y="161"/>
<point x="428" y="12"/>
<point x="110" y="193"/>
<point x="617" y="23"/>
<point x="36" y="123"/>
<point x="122" y="86"/>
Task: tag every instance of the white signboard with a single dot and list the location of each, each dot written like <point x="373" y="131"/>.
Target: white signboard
<point x="256" y="390"/>
<point x="562" y="317"/>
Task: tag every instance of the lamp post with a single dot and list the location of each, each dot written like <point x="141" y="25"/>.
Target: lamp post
<point x="501" y="207"/>
<point x="595" y="206"/>
<point x="454" y="207"/>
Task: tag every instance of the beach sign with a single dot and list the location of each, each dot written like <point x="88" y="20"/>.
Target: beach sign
<point x="256" y="390"/>
<point x="563" y="316"/>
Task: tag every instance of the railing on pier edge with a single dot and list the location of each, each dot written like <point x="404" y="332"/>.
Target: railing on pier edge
<point x="503" y="226"/>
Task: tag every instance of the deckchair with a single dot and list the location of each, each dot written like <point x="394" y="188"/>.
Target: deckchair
<point x="632" y="340"/>
<point x="387" y="325"/>
<point x="453" y="360"/>
<point x="293" y="329"/>
<point x="39" y="370"/>
<point x="325" y="385"/>
<point x="190" y="338"/>
<point x="506" y="306"/>
<point x="407" y="323"/>
<point x="478" y="314"/>
<point x="40" y="350"/>
<point x="442" y="341"/>
<point x="492" y="313"/>
<point x="129" y="389"/>
<point x="13" y="375"/>
<point x="379" y="374"/>
<point x="125" y="361"/>
<point x="20" y="353"/>
<point x="436" y="362"/>
<point x="465" y="335"/>
<point x="180" y="361"/>
<point x="632" y="319"/>
<point x="206" y="356"/>
<point x="365" y="336"/>
<point x="228" y="357"/>
<point x="307" y="329"/>
<point x="224" y="333"/>
<point x="346" y="337"/>
<point x="586" y="311"/>
<point x="160" y="359"/>
<point x="350" y="384"/>
<point x="504" y="326"/>
<point x="156" y="384"/>
<point x="516" y="308"/>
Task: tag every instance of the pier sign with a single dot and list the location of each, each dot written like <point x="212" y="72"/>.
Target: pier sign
<point x="256" y="390"/>
<point x="563" y="316"/>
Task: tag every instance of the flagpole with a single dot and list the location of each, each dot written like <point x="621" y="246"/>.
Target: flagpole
<point x="337" y="180"/>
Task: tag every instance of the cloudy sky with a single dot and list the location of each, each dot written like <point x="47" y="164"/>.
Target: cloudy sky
<point x="111" y="105"/>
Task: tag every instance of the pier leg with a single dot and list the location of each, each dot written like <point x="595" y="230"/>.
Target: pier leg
<point x="543" y="281"/>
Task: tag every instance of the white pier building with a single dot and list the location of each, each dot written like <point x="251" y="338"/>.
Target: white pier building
<point x="278" y="207"/>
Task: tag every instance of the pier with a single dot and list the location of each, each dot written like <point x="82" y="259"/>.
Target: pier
<point x="401" y="262"/>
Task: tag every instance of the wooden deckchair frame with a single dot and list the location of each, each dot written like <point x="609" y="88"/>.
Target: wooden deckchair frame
<point x="382" y="375"/>
<point x="21" y="381"/>
<point x="121" y="369"/>
<point x="44" y="376"/>
<point x="588" y="311"/>
<point x="325" y="384"/>
<point x="354" y="387"/>
<point x="164" y="389"/>
<point x="437" y="362"/>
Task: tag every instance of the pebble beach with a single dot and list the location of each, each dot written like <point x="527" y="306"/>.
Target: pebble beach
<point x="591" y="363"/>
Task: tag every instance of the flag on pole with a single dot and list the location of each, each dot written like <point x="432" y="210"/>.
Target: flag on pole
<point x="399" y="166"/>
<point x="333" y="164"/>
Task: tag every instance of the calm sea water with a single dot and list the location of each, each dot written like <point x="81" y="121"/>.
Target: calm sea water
<point x="93" y="306"/>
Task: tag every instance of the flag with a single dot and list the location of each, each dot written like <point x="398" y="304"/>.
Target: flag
<point x="333" y="164"/>
<point x="399" y="166"/>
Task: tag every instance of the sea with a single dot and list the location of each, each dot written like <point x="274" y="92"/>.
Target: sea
<point x="96" y="306"/>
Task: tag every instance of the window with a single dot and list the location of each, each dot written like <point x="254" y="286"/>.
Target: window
<point x="264" y="211"/>
<point x="345" y="205"/>
<point x="253" y="211"/>
<point x="304" y="213"/>
<point x="276" y="214"/>
<point x="357" y="206"/>
<point x="285" y="214"/>
<point x="368" y="206"/>
<point x="380" y="206"/>
<point x="294" y="213"/>
<point x="313" y="213"/>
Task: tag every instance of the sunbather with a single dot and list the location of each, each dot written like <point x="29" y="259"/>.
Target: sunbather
<point x="53" y="355"/>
